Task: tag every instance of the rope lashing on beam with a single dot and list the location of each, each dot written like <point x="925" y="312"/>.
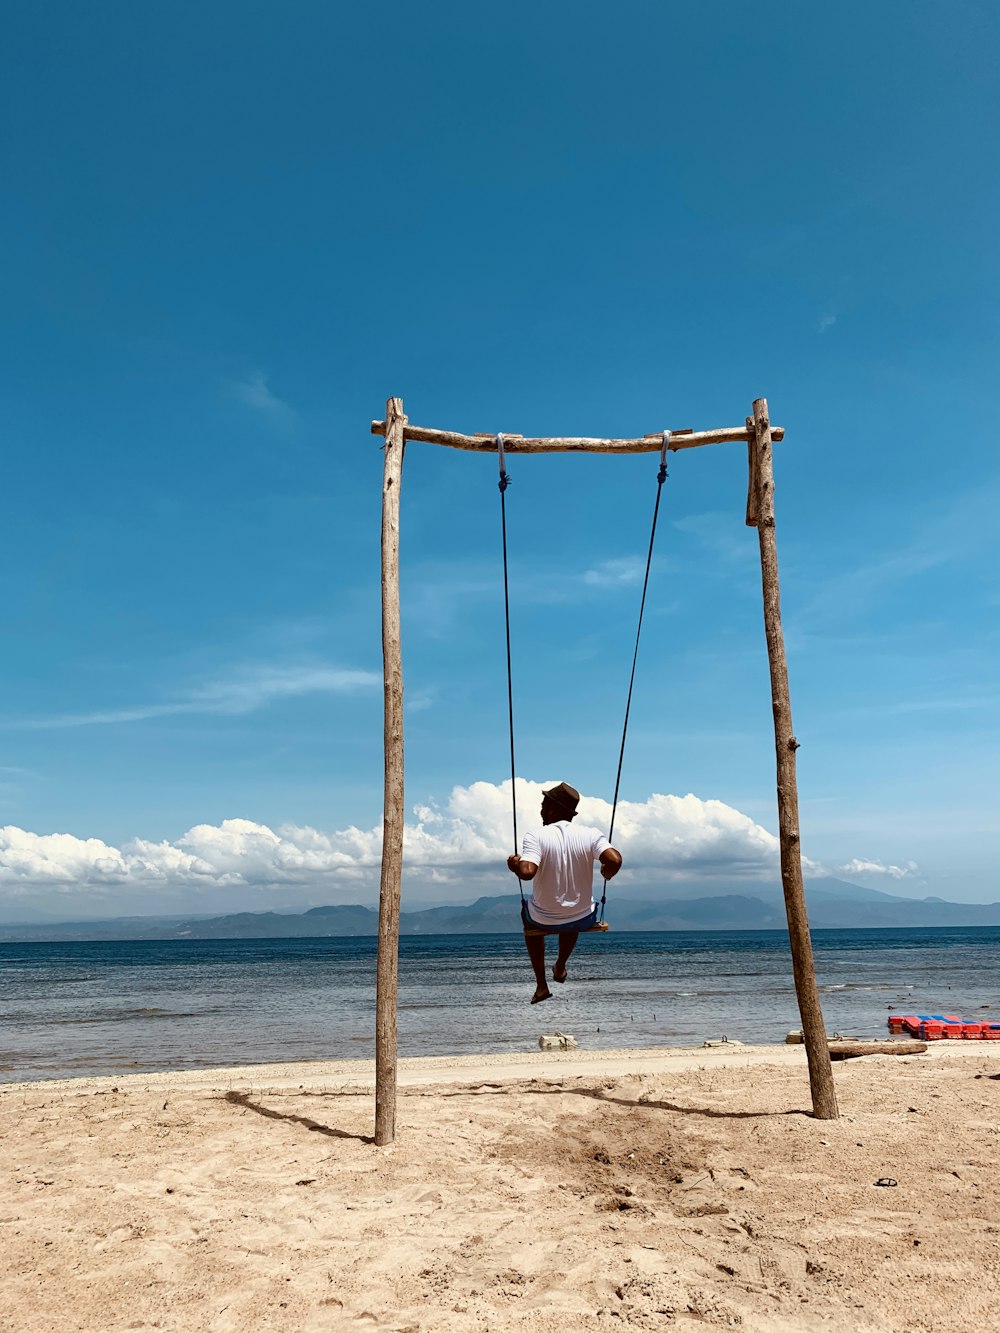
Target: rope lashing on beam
<point x="502" y="460"/>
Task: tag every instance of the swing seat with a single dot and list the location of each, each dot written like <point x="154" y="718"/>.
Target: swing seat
<point x="557" y="930"/>
<point x="586" y="924"/>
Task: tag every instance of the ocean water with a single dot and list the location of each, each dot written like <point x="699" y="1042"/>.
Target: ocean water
<point x="123" y="1007"/>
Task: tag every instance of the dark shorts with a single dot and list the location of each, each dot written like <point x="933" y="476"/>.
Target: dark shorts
<point x="564" y="927"/>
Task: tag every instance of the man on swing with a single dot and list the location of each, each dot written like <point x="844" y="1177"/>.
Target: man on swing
<point x="559" y="860"/>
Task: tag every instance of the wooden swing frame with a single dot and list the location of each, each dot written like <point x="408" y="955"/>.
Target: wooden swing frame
<point x="758" y="434"/>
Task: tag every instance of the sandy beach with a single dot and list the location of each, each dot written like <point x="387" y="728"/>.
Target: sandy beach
<point x="572" y="1190"/>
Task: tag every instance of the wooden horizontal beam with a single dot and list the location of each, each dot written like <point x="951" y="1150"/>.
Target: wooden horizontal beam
<point x="518" y="444"/>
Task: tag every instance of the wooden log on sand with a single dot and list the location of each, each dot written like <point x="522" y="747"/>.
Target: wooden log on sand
<point x="846" y="1050"/>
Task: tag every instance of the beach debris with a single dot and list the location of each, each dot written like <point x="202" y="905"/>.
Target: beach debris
<point x="886" y="1181"/>
<point x="722" y="1041"/>
<point x="557" y="1041"/>
<point x="848" y="1050"/>
<point x="794" y="1037"/>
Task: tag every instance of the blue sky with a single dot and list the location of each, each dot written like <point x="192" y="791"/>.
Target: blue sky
<point x="232" y="230"/>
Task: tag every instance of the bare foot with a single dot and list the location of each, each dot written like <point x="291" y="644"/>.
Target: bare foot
<point x="541" y="993"/>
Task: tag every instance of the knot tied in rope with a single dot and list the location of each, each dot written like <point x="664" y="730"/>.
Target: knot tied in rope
<point x="501" y="458"/>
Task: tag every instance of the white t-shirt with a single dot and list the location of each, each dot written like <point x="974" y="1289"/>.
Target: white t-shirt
<point x="563" y="888"/>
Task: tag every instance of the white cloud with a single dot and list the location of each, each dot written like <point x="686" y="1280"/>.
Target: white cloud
<point x="715" y="531"/>
<point x="27" y="858"/>
<point x="12" y="780"/>
<point x="420" y="700"/>
<point x="440" y="595"/>
<point x="254" y="686"/>
<point x="437" y="598"/>
<point x="463" y="845"/>
<point x="618" y="573"/>
<point x="827" y="322"/>
<point x="252" y="391"/>
<point x="962" y="532"/>
<point x="243" y="691"/>
<point x="857" y="866"/>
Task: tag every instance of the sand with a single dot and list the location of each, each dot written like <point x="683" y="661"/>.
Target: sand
<point x="568" y="1191"/>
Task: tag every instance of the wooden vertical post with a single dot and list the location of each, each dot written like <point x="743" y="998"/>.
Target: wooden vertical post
<point x="387" y="972"/>
<point x="760" y="513"/>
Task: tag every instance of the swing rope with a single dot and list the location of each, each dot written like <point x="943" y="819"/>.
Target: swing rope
<point x="504" y="483"/>
<point x="661" y="477"/>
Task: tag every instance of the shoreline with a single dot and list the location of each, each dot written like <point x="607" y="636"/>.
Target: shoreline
<point x="428" y="1070"/>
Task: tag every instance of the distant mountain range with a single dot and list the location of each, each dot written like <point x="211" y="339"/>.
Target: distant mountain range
<point x="831" y="903"/>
